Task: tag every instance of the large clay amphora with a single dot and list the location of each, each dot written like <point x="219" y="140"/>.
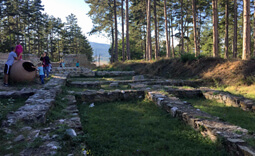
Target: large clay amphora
<point x="22" y="71"/>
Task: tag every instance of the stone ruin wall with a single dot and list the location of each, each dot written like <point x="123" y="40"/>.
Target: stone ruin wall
<point x="71" y="59"/>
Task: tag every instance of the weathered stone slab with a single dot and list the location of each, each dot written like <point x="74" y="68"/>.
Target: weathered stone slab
<point x="229" y="99"/>
<point x="114" y="84"/>
<point x="115" y="73"/>
<point x="17" y="94"/>
<point x="185" y="93"/>
<point x="82" y="84"/>
<point x="137" y="85"/>
<point x="138" y="77"/>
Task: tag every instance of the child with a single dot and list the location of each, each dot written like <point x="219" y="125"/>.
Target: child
<point x="63" y="64"/>
<point x="41" y="73"/>
<point x="12" y="56"/>
<point x="77" y="64"/>
<point x="19" y="50"/>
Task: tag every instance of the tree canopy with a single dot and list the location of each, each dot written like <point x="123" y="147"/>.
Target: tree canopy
<point x="24" y="21"/>
<point x="217" y="28"/>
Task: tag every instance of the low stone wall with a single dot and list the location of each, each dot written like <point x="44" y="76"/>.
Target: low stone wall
<point x="114" y="73"/>
<point x="37" y="106"/>
<point x="50" y="144"/>
<point x="176" y="83"/>
<point x="229" y="99"/>
<point x="132" y="83"/>
<point x="17" y="94"/>
<point x="73" y="71"/>
<point x="71" y="59"/>
<point x="185" y="93"/>
<point x="86" y="72"/>
<point x="32" y="58"/>
<point x="208" y="125"/>
<point x="104" y="96"/>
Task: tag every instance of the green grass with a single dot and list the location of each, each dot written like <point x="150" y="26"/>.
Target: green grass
<point x="140" y="128"/>
<point x="8" y="105"/>
<point x="56" y="112"/>
<point x="232" y="115"/>
<point x="68" y="144"/>
<point x="7" y="144"/>
<point x="246" y="91"/>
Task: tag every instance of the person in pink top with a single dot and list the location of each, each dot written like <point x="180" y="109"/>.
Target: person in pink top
<point x="19" y="50"/>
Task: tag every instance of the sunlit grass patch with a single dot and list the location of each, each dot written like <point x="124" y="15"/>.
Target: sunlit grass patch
<point x="140" y="128"/>
<point x="232" y="115"/>
<point x="246" y="91"/>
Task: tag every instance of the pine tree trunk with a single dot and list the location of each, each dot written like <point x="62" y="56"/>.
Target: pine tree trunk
<point x="169" y="34"/>
<point x="148" y="36"/>
<point x="215" y="27"/>
<point x="235" y="30"/>
<point x="195" y="26"/>
<point x="246" y="30"/>
<point x="198" y="33"/>
<point x="112" y="50"/>
<point x="116" y="32"/>
<point x="226" y="30"/>
<point x="127" y="32"/>
<point x="156" y="30"/>
<point x="166" y="31"/>
<point x="187" y="35"/>
<point x="254" y="32"/>
<point x="122" y="30"/>
<point x="173" y="55"/>
<point x="182" y="34"/>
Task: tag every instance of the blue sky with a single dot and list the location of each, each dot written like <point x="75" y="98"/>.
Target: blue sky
<point x="63" y="8"/>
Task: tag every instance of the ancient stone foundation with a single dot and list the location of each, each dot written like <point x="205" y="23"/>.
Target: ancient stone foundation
<point x="40" y="101"/>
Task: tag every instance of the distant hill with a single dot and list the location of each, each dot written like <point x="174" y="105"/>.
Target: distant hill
<point x="102" y="50"/>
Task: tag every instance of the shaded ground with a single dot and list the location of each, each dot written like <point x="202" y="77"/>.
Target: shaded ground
<point x="216" y="70"/>
<point x="140" y="128"/>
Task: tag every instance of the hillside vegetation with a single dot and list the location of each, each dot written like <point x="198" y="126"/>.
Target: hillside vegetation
<point x="216" y="70"/>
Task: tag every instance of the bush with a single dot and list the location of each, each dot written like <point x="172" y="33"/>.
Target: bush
<point x="188" y="57"/>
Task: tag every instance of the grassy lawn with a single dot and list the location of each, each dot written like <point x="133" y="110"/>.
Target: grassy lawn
<point x="140" y="128"/>
<point x="8" y="105"/>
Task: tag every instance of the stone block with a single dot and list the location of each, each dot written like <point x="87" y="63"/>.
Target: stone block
<point x="253" y="108"/>
<point x="231" y="102"/>
<point x="114" y="84"/>
<point x="246" y="104"/>
<point x="138" y="77"/>
<point x="173" y="111"/>
<point x="137" y="85"/>
<point x="246" y="151"/>
<point x="71" y="132"/>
